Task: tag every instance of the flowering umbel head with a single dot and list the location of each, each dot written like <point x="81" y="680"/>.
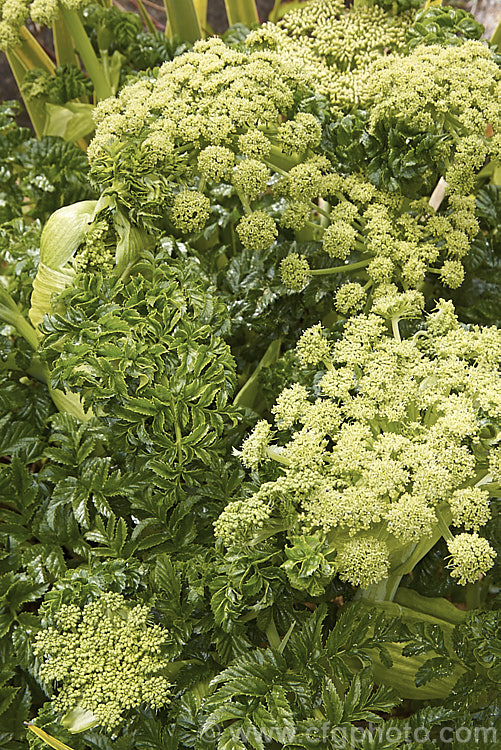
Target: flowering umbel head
<point x="377" y="447"/>
<point x="106" y="658"/>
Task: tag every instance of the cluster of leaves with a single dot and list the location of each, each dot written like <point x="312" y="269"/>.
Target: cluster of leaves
<point x="114" y="30"/>
<point x="38" y="175"/>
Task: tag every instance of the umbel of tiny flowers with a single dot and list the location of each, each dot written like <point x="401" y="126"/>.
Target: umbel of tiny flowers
<point x="212" y="115"/>
<point x="217" y="115"/>
<point x="386" y="451"/>
<point x="105" y="658"/>
<point x="375" y="238"/>
<point x="454" y="91"/>
<point x="335" y="45"/>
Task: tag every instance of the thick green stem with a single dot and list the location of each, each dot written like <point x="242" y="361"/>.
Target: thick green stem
<point x="183" y="20"/>
<point x="443" y="525"/>
<point x="272" y="635"/>
<point x="245" y="203"/>
<point x="11" y="315"/>
<point x="251" y="390"/>
<point x="63" y="43"/>
<point x="322" y="211"/>
<point x="340" y="269"/>
<point x="274" y="14"/>
<point x="412" y="554"/>
<point x="31" y="54"/>
<point x="280" y="162"/>
<point x="395" y="329"/>
<point x="201" y="9"/>
<point x="384" y="591"/>
<point x="473" y="595"/>
<point x="242" y="11"/>
<point x="89" y="58"/>
<point x="145" y="16"/>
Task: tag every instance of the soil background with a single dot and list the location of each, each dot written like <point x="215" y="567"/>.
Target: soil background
<point x="487" y="12"/>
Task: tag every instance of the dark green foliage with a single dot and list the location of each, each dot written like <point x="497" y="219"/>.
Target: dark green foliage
<point x="12" y="137"/>
<point x="67" y="83"/>
<point x="443" y="25"/>
<point x="150" y="50"/>
<point x="479" y="299"/>
<point x="392" y="157"/>
<point x="19" y="253"/>
<point x="155" y="361"/>
<point x="54" y="174"/>
<point x="112" y="30"/>
<point x="476" y="647"/>
<point x="37" y="176"/>
<point x="291" y="695"/>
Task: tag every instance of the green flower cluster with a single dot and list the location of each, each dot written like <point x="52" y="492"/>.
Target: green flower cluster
<point x="382" y="236"/>
<point x="336" y="46"/>
<point x="97" y="251"/>
<point x="14" y="13"/>
<point x="387" y="446"/>
<point x="216" y="114"/>
<point x="451" y="89"/>
<point x="105" y="657"/>
<point x="213" y="114"/>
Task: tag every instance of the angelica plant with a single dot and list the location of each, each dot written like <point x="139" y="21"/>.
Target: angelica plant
<point x="168" y="147"/>
<point x="385" y="452"/>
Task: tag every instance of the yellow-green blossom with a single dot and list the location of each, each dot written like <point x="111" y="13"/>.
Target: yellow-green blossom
<point x="106" y="658"/>
<point x="257" y="231"/>
<point x="312" y="348"/>
<point x="380" y="450"/>
<point x="295" y="272"/>
<point x="471" y="557"/>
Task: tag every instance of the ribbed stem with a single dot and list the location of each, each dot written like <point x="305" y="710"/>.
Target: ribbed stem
<point x="242" y="11"/>
<point x="63" y="43"/>
<point x="339" y="269"/>
<point x="395" y="329"/>
<point x="10" y="314"/>
<point x="85" y="49"/>
<point x="183" y="20"/>
<point x="272" y="635"/>
<point x="410" y="556"/>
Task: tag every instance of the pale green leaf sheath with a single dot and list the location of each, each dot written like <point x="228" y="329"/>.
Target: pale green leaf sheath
<point x="62" y="236"/>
